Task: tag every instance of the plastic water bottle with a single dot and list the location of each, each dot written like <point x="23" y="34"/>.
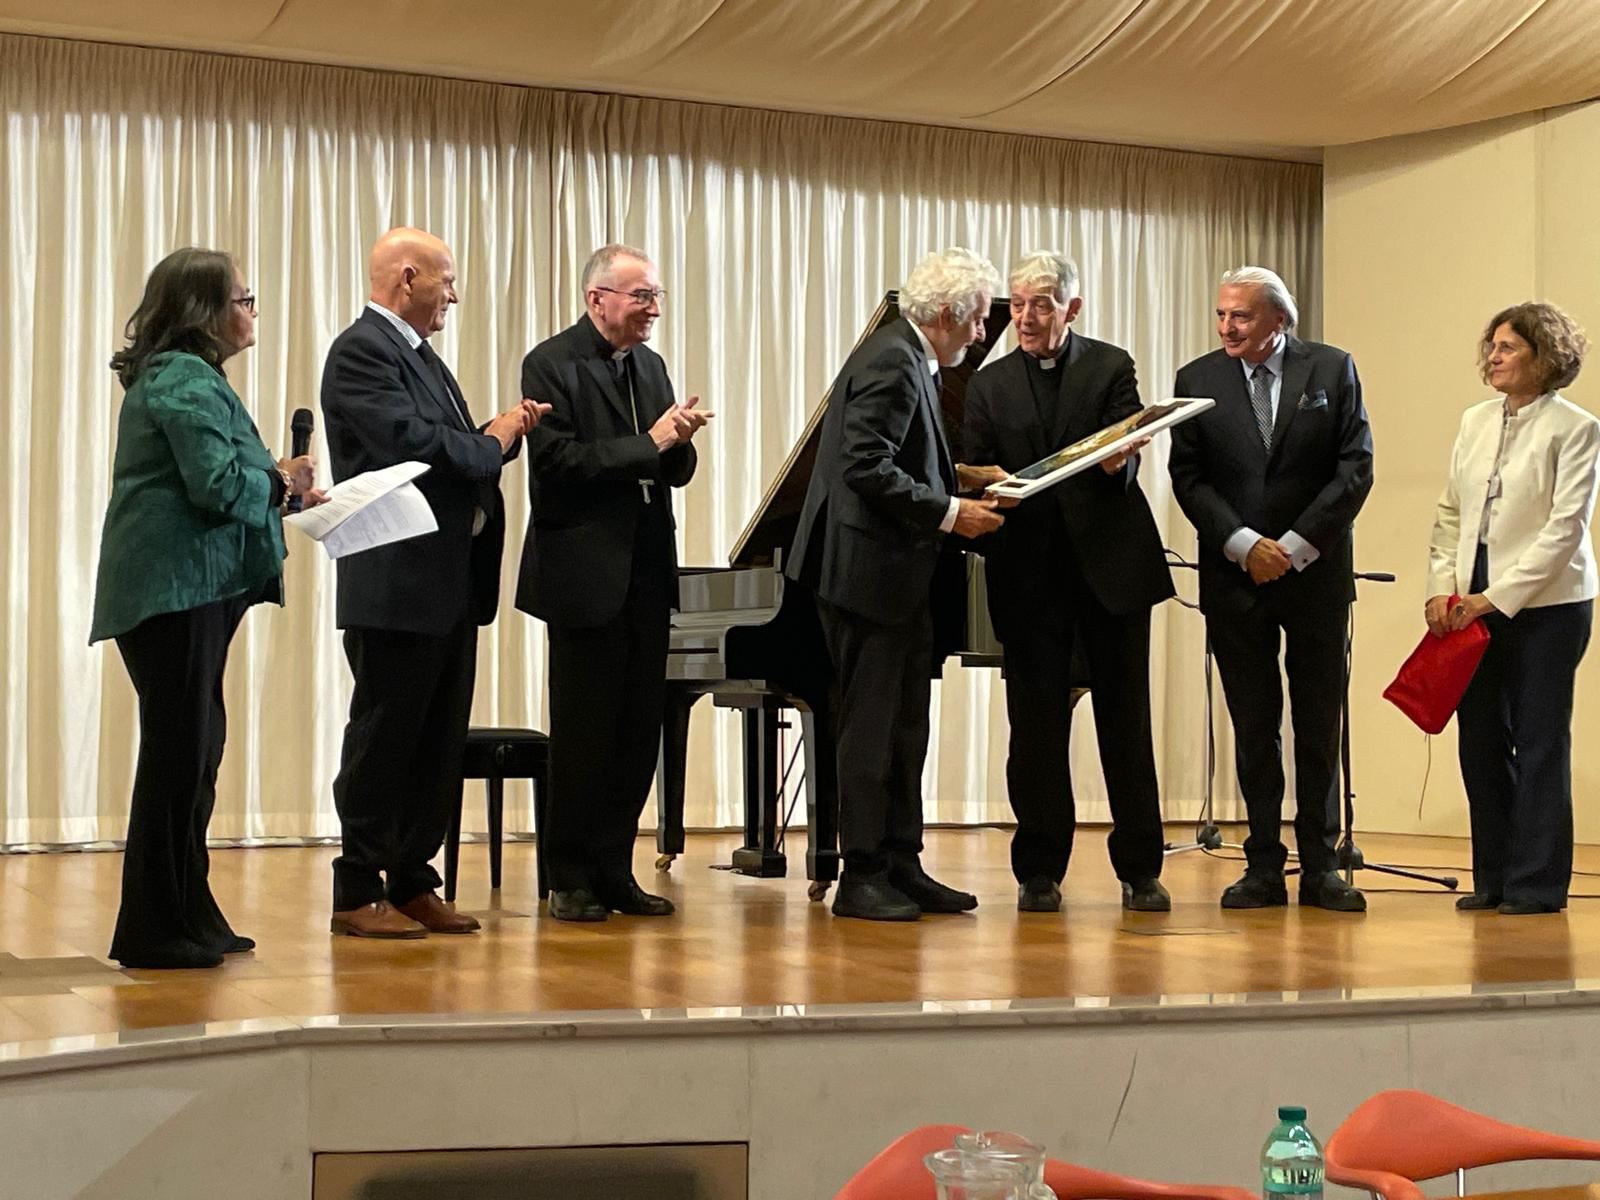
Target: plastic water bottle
<point x="1291" y="1159"/>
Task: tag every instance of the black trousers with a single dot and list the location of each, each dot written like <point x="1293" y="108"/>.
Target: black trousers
<point x="1515" y="739"/>
<point x="1038" y="673"/>
<point x="399" y="775"/>
<point x="884" y="679"/>
<point x="1246" y="648"/>
<point x="176" y="661"/>
<point x="607" y="697"/>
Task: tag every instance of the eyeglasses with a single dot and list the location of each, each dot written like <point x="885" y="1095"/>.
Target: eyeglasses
<point x="644" y="297"/>
<point x="246" y="301"/>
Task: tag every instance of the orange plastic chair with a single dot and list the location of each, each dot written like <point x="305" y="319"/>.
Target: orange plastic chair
<point x="897" y="1173"/>
<point x="1399" y="1137"/>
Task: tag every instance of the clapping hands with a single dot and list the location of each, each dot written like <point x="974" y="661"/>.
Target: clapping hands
<point x="515" y="422"/>
<point x="678" y="425"/>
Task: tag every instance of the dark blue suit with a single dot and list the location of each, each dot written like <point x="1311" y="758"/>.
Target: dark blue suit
<point x="410" y="610"/>
<point x="1313" y="481"/>
<point x="868" y="546"/>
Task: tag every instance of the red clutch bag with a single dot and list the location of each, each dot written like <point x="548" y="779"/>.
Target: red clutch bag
<point x="1431" y="682"/>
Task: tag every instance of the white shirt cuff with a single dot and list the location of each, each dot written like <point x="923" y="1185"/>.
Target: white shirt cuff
<point x="949" y="522"/>
<point x="1301" y="552"/>
<point x="1237" y="547"/>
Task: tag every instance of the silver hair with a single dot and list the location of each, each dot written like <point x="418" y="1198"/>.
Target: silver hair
<point x="952" y="279"/>
<point x="600" y="261"/>
<point x="1046" y="268"/>
<point x="1271" y="283"/>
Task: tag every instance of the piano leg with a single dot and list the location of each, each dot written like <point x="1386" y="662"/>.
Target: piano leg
<point x="671" y="768"/>
<point x="822" y="801"/>
<point x="760" y="855"/>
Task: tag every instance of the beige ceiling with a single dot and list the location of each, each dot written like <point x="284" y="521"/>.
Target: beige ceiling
<point x="1272" y="77"/>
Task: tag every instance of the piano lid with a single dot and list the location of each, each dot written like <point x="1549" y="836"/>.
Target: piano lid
<point x="772" y="527"/>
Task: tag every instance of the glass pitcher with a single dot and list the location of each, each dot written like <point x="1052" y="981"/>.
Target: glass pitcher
<point x="1011" y="1148"/>
<point x="958" y="1175"/>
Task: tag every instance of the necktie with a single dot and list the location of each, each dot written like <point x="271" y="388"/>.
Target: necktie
<point x="435" y="366"/>
<point x="1261" y="402"/>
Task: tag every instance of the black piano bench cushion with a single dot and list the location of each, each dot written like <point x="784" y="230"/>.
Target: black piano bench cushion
<point x="505" y="754"/>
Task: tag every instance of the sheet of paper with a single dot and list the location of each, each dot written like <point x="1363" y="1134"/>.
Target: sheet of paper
<point x="369" y="510"/>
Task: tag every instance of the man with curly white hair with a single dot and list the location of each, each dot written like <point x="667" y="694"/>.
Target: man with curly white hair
<point x="883" y="495"/>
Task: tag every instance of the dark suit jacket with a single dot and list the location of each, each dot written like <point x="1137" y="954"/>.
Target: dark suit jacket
<point x="1104" y="518"/>
<point x="382" y="405"/>
<point x="585" y="461"/>
<point x="869" y="538"/>
<point x="1314" y="482"/>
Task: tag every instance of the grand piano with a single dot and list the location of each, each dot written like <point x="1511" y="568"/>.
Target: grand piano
<point x="751" y="640"/>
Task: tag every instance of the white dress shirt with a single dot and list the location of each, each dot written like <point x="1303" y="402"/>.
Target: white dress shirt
<point x="1237" y="548"/>
<point x="1532" y="513"/>
<point x="949" y="522"/>
<point x="412" y="337"/>
<point x="414" y="340"/>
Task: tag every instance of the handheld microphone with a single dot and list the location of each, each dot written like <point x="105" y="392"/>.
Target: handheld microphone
<point x="1376" y="576"/>
<point x="301" y="425"/>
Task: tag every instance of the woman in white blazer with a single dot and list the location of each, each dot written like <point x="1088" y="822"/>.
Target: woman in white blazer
<point x="1511" y="540"/>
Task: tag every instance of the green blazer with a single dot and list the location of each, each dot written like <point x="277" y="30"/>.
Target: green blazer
<point x="191" y="519"/>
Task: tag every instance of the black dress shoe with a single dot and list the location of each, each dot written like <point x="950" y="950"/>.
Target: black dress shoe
<point x="1330" y="891"/>
<point x="631" y="900"/>
<point x="911" y="881"/>
<point x="873" y="900"/>
<point x="1039" y="895"/>
<point x="1146" y="895"/>
<point x="576" y="904"/>
<point x="1526" y="908"/>
<point x="1256" y="890"/>
<point x="238" y="944"/>
<point x="1477" y="901"/>
<point x="178" y="956"/>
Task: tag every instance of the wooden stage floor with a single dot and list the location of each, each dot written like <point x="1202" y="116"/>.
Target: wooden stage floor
<point x="739" y="941"/>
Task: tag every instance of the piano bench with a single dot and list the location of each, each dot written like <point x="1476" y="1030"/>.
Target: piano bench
<point x="495" y="755"/>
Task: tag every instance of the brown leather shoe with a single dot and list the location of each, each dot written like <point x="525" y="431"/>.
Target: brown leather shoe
<point x="379" y="919"/>
<point x="435" y="916"/>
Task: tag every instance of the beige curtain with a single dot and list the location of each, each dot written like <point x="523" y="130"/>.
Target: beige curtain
<point x="776" y="235"/>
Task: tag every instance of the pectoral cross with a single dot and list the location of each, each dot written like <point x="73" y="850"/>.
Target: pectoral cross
<point x="644" y="486"/>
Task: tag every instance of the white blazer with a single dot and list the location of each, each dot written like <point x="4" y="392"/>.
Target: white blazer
<point x="1539" y="552"/>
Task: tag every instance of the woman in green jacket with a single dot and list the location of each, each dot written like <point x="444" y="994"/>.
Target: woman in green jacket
<point x="193" y="537"/>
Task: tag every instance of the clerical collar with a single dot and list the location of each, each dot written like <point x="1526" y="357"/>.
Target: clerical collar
<point x="602" y="344"/>
<point x="1049" y="364"/>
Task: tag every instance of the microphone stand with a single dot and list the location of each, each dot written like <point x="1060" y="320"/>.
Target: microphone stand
<point x="1349" y="855"/>
<point x="1207" y="836"/>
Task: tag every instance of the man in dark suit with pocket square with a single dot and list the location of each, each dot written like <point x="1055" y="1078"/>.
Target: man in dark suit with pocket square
<point x="1074" y="573"/>
<point x="410" y="610"/>
<point x="1272" y="479"/>
<point x="600" y="568"/>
